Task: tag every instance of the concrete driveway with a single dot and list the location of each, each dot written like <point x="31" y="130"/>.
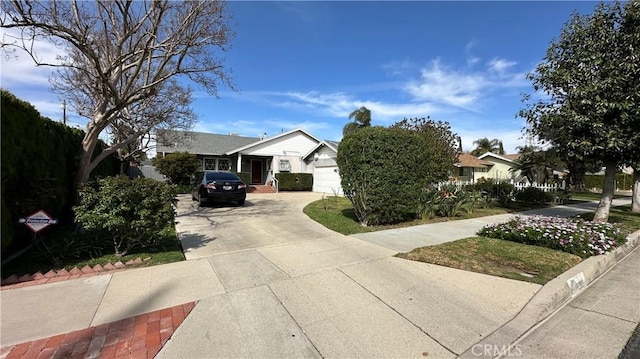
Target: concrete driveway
<point x="265" y="220"/>
<point x="292" y="288"/>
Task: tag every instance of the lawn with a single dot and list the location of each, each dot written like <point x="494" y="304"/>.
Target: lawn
<point x="587" y="196"/>
<point x="336" y="213"/>
<point x="497" y="257"/>
<point x="478" y="254"/>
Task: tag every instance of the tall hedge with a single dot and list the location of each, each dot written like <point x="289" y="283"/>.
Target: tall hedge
<point x="38" y="168"/>
<point x="383" y="171"/>
<point x="294" y="181"/>
<point x="623" y="181"/>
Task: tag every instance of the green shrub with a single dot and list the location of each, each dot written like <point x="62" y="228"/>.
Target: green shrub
<point x="294" y="181"/>
<point x="183" y="188"/>
<point x="245" y="177"/>
<point x="383" y="171"/>
<point x="499" y="190"/>
<point x="179" y="167"/>
<point x="533" y="195"/>
<point x="135" y="212"/>
<point x="448" y="201"/>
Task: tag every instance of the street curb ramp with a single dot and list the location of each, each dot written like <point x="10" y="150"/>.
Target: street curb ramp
<point x="551" y="297"/>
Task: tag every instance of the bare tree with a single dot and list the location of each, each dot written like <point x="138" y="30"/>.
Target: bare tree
<point x="124" y="60"/>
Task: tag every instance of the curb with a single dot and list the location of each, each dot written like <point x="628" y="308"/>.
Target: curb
<point x="548" y="299"/>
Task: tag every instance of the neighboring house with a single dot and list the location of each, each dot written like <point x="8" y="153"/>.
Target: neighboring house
<point x="469" y="168"/>
<point x="500" y="166"/>
<point x="294" y="151"/>
<point x="488" y="165"/>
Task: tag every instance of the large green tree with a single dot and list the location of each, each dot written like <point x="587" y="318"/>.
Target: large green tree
<point x="484" y="145"/>
<point x="361" y="118"/>
<point x="589" y="91"/>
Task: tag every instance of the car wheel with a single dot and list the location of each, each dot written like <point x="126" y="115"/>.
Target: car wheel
<point x="241" y="202"/>
<point x="201" y="200"/>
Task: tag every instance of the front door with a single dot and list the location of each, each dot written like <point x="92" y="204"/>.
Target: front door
<point x="256" y="171"/>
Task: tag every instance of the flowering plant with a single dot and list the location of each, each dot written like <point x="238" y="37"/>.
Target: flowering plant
<point x="572" y="235"/>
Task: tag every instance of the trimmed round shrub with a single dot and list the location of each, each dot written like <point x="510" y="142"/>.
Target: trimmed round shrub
<point x="383" y="171"/>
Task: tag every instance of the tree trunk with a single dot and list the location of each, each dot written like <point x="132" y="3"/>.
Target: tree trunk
<point x="608" y="190"/>
<point x="89" y="142"/>
<point x="635" y="195"/>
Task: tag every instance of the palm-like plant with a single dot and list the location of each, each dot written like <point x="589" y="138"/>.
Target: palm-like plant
<point x="484" y="145"/>
<point x="536" y="164"/>
<point x="361" y="118"/>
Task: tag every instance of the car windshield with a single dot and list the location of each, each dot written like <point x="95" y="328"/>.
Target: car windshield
<point x="221" y="176"/>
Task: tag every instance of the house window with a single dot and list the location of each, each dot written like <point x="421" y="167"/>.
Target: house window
<point x="217" y="164"/>
<point x="224" y="164"/>
<point x="460" y="171"/>
<point x="210" y="164"/>
<point x="285" y="166"/>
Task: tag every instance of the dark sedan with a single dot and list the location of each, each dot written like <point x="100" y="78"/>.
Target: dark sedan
<point x="216" y="187"/>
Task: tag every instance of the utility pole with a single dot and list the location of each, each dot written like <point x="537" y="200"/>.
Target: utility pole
<point x="64" y="111"/>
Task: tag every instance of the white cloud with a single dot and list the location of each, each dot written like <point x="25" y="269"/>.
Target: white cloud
<point x="444" y="86"/>
<point x="395" y="68"/>
<point x="471" y="59"/>
<point x="341" y="105"/>
<point x="19" y="69"/>
<point x="500" y="65"/>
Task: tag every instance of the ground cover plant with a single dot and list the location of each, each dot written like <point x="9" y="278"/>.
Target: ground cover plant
<point x="72" y="249"/>
<point x="572" y="235"/>
<point x="497" y="257"/>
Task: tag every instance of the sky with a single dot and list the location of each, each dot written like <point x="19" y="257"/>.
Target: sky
<point x="310" y="64"/>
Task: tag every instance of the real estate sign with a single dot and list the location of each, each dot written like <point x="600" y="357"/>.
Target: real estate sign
<point x="38" y="221"/>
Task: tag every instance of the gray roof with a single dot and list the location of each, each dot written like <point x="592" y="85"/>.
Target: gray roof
<point x="333" y="143"/>
<point x="200" y="143"/>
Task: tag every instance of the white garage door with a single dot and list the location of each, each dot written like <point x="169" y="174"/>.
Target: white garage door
<point x="327" y="180"/>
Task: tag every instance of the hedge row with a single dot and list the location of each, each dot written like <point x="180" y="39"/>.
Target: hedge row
<point x="295" y="181"/>
<point x="624" y="181"/>
<point x="39" y="159"/>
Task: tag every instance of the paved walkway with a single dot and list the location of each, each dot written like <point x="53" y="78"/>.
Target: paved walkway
<point x="408" y="238"/>
<point x="325" y="296"/>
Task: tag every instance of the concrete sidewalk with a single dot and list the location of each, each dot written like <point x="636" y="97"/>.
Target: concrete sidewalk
<point x="327" y="296"/>
<point x="408" y="238"/>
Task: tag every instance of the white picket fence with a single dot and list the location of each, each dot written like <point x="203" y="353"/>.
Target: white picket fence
<point x="549" y="187"/>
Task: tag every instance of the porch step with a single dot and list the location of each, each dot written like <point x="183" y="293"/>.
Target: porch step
<point x="260" y="188"/>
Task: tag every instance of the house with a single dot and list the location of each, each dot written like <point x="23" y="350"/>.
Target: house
<point x="469" y="168"/>
<point x="488" y="165"/>
<point x="501" y="165"/>
<point x="295" y="151"/>
<point x="321" y="161"/>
